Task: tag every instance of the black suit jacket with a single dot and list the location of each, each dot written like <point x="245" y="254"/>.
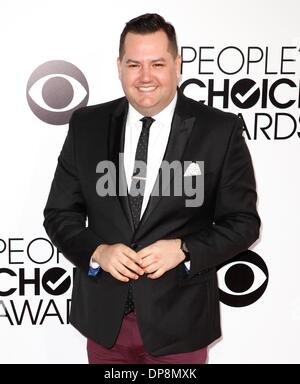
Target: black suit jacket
<point x="177" y="312"/>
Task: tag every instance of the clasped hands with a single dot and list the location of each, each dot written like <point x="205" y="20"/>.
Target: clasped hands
<point x="123" y="263"/>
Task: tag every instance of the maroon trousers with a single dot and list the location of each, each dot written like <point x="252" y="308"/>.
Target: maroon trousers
<point x="129" y="349"/>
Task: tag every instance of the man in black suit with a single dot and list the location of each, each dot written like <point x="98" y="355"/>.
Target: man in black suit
<point x="145" y="289"/>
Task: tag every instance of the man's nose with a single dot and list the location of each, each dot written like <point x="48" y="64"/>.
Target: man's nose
<point x="145" y="74"/>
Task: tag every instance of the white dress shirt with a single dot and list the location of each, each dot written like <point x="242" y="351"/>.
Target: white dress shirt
<point x="158" y="139"/>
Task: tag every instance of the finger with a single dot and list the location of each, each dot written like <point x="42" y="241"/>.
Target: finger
<point x="133" y="266"/>
<point x="118" y="276"/>
<point x="156" y="274"/>
<point x="144" y="252"/>
<point x="152" y="268"/>
<point x="127" y="272"/>
<point x="127" y="251"/>
<point x="148" y="260"/>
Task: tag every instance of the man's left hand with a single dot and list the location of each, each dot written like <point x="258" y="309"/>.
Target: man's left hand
<point x="160" y="257"/>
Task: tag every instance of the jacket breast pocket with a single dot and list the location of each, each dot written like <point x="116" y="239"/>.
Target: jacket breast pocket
<point x="196" y="189"/>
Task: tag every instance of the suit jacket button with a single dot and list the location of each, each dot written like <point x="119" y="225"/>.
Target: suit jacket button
<point x="134" y="246"/>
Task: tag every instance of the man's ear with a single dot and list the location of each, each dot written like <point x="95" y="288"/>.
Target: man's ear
<point x="119" y="67"/>
<point x="178" y="67"/>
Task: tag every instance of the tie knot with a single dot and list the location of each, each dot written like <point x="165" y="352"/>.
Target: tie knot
<point x="147" y="121"/>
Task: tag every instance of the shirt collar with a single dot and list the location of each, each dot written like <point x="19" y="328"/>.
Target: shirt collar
<point x="164" y="116"/>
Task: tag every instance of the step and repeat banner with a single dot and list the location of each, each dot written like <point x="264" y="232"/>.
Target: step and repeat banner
<point x="242" y="57"/>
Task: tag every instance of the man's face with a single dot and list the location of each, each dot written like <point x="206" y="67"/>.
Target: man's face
<point x="148" y="72"/>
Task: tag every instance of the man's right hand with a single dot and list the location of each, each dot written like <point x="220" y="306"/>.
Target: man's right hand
<point x="119" y="260"/>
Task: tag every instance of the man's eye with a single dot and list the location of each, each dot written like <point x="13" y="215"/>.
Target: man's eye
<point x="133" y="65"/>
<point x="158" y="65"/>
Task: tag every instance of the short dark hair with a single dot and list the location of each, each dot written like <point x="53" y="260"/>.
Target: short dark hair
<point x="149" y="23"/>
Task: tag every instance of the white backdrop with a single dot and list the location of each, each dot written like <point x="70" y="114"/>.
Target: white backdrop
<point x="33" y="320"/>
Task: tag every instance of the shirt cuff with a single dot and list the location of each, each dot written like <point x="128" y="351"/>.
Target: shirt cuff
<point x="94" y="265"/>
<point x="94" y="268"/>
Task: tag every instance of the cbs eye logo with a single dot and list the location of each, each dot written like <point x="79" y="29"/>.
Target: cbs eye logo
<point x="55" y="89"/>
<point x="242" y="280"/>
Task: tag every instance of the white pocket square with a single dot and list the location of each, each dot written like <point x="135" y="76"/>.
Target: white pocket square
<point x="193" y="170"/>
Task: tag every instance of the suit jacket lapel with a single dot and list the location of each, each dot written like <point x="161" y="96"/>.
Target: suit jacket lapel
<point x="182" y="125"/>
<point x="116" y="139"/>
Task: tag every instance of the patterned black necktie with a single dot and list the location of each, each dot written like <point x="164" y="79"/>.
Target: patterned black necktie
<point x="137" y="188"/>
